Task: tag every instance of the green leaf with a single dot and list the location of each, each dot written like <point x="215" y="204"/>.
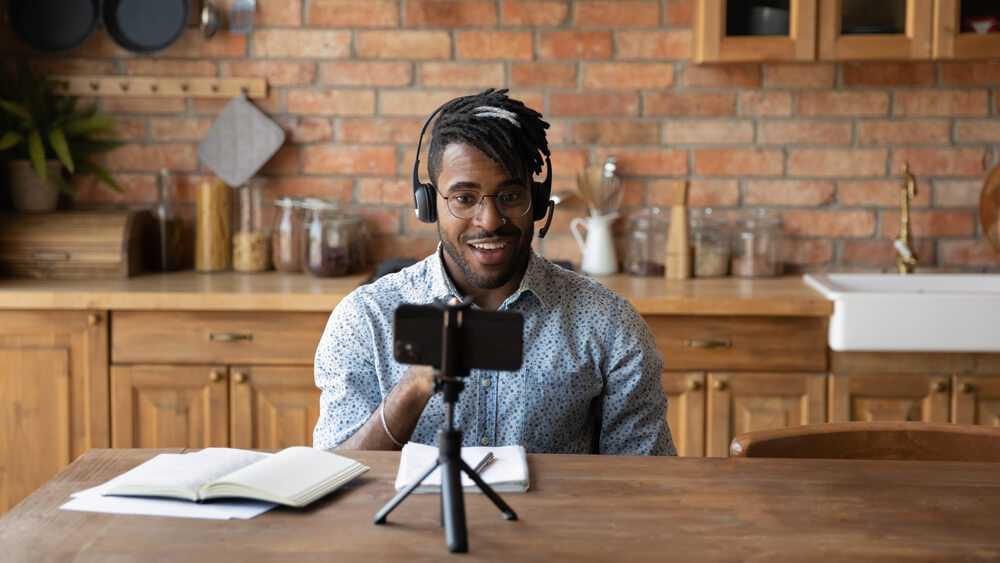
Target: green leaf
<point x="10" y="139"/>
<point x="58" y="142"/>
<point x="97" y="123"/>
<point x="20" y="111"/>
<point x="37" y="153"/>
<point x="89" y="147"/>
<point x="61" y="185"/>
<point x="91" y="167"/>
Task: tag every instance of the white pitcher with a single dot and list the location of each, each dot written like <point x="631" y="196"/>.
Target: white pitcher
<point x="599" y="249"/>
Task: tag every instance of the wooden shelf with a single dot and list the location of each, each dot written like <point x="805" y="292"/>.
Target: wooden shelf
<point x="146" y="86"/>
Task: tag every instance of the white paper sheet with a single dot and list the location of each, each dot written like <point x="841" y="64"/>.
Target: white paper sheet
<point x="509" y="474"/>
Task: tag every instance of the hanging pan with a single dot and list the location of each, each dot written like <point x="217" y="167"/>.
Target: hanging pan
<point x="54" y="26"/>
<point x="144" y="26"/>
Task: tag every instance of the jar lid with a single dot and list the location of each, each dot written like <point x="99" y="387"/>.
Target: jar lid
<point x="707" y="218"/>
<point x="289" y="201"/>
<point x="654" y="218"/>
<point x="315" y="203"/>
<point x="759" y="219"/>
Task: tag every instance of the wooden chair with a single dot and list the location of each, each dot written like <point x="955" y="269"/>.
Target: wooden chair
<point x="873" y="440"/>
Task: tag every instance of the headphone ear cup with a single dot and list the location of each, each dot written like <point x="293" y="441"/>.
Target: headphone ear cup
<point x="540" y="192"/>
<point x="423" y="200"/>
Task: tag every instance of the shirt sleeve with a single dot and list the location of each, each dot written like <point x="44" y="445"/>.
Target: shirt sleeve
<point x="634" y="407"/>
<point x="345" y="373"/>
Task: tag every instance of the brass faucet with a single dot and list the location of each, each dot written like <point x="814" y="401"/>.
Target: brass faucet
<point x="906" y="260"/>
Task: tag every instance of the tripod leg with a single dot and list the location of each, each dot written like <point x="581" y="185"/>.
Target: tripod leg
<point x="508" y="512"/>
<point x="454" y="506"/>
<point x="401" y="495"/>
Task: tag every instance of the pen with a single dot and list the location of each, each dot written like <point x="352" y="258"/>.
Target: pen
<point x="484" y="463"/>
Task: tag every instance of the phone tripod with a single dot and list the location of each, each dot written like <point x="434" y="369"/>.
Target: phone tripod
<point x="449" y="381"/>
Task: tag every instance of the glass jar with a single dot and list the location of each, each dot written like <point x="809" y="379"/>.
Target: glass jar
<point x="358" y="237"/>
<point x="646" y="243"/>
<point x="709" y="244"/>
<point x="757" y="244"/>
<point x="251" y="239"/>
<point x="170" y="231"/>
<point x="327" y="238"/>
<point x="286" y="238"/>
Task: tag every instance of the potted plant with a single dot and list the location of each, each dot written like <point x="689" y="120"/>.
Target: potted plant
<point x="42" y="135"/>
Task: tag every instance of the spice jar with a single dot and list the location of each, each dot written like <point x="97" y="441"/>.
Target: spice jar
<point x="326" y="239"/>
<point x="286" y="237"/>
<point x="646" y="243"/>
<point x="251" y="240"/>
<point x="756" y="250"/>
<point x="709" y="243"/>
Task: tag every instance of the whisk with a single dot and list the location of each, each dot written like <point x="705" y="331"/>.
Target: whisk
<point x="600" y="188"/>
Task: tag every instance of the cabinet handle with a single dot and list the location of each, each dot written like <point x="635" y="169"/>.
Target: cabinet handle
<point x="720" y="385"/>
<point x="240" y="377"/>
<point x="940" y="387"/>
<point x="93" y="319"/>
<point x="215" y="376"/>
<point x="694" y="385"/>
<point x="966" y="388"/>
<point x="229" y="336"/>
<point x="709" y="344"/>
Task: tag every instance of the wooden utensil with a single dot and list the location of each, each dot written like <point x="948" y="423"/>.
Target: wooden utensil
<point x="678" y="245"/>
<point x="989" y="208"/>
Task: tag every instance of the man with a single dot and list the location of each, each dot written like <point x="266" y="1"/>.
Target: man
<point x="590" y="380"/>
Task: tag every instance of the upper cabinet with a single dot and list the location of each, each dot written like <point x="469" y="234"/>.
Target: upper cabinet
<point x="804" y="30"/>
<point x="755" y="30"/>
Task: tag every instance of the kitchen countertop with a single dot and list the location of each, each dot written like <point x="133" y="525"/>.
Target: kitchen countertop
<point x="277" y="291"/>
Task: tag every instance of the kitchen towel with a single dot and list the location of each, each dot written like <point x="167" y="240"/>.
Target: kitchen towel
<point x="240" y="142"/>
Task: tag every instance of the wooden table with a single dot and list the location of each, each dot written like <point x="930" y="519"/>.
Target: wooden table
<point x="600" y="508"/>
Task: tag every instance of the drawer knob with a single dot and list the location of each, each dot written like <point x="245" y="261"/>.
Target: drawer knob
<point x="720" y="385"/>
<point x="240" y="377"/>
<point x="215" y="375"/>
<point x="966" y="388"/>
<point x="709" y="344"/>
<point x="93" y="319"/>
<point x="229" y="336"/>
<point x="940" y="387"/>
<point x="694" y="385"/>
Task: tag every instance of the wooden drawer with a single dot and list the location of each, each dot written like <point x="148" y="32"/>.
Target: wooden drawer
<point x="215" y="337"/>
<point x="740" y="343"/>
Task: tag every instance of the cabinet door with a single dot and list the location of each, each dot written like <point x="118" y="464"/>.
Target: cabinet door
<point x="744" y="402"/>
<point x="273" y="407"/>
<point x="885" y="396"/>
<point x="685" y="393"/>
<point x="53" y="395"/>
<point x="716" y="40"/>
<point x="953" y="42"/>
<point x="169" y="406"/>
<point x="886" y="29"/>
<point x="976" y="400"/>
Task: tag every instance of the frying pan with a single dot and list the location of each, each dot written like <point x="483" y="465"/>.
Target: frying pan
<point x="54" y="26"/>
<point x="145" y="26"/>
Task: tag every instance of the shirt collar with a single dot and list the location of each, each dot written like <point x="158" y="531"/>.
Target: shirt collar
<point x="442" y="286"/>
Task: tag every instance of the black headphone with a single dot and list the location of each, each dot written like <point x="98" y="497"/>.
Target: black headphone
<point x="425" y="195"/>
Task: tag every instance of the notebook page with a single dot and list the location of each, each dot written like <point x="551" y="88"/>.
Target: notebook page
<point x="177" y="473"/>
<point x="287" y="473"/>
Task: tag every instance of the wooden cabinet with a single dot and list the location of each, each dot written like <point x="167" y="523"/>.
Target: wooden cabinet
<point x="929" y="387"/>
<point x="53" y="395"/>
<point x="726" y="375"/>
<point x="186" y="379"/>
<point x="843" y="30"/>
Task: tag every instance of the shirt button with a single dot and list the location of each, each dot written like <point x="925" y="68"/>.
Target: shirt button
<point x="486" y="383"/>
<point x="484" y="441"/>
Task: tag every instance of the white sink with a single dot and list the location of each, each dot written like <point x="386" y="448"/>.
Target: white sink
<point x="915" y="312"/>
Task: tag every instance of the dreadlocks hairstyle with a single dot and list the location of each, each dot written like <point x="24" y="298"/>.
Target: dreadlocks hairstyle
<point x="501" y="128"/>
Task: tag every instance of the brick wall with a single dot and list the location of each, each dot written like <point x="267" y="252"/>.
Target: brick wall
<point x="351" y="82"/>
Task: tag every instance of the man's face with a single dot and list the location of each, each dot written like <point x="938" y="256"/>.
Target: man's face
<point x="490" y="249"/>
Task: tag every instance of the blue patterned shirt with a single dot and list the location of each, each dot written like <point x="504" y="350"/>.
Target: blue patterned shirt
<point x="589" y="383"/>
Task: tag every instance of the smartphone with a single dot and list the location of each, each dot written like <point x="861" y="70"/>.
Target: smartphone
<point x="489" y="339"/>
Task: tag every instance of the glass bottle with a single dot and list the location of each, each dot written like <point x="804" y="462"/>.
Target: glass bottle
<point x="326" y="239"/>
<point x="709" y="244"/>
<point x="286" y="238"/>
<point x="646" y="243"/>
<point x="251" y="240"/>
<point x="756" y="250"/>
<point x="169" y="226"/>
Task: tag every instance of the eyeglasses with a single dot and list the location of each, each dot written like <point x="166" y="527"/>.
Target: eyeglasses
<point x="466" y="204"/>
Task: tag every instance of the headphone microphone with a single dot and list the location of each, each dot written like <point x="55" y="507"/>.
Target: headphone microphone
<point x="425" y="194"/>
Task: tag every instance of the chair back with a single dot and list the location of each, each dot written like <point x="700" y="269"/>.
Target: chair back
<point x="873" y="440"/>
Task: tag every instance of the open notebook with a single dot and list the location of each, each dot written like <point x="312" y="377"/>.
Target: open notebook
<point x="508" y="474"/>
<point x="294" y="476"/>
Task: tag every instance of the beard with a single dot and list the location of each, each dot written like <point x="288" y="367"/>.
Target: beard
<point x="482" y="279"/>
